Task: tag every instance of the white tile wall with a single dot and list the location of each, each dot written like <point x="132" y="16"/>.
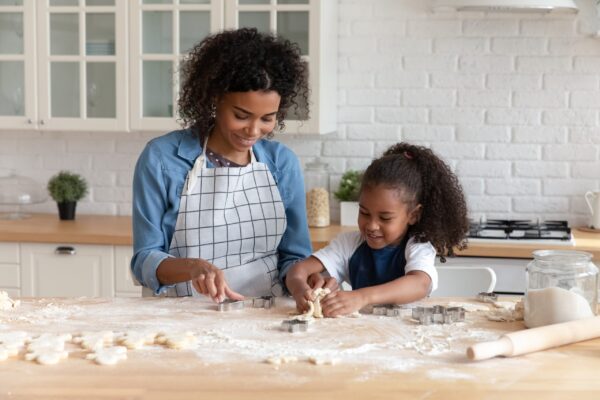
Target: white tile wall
<point x="511" y="101"/>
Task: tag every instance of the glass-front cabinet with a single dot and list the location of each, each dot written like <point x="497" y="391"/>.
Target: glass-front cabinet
<point x="82" y="64"/>
<point x="17" y="66"/>
<point x="114" y="65"/>
<point x="162" y="33"/>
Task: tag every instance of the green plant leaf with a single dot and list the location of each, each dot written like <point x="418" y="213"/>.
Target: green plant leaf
<point x="349" y="186"/>
<point x="66" y="186"/>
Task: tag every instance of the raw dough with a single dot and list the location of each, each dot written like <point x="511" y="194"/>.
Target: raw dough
<point x="48" y="348"/>
<point x="314" y="310"/>
<point x="6" y="303"/>
<point x="94" y="340"/>
<point x="11" y="343"/>
<point x="281" y="360"/>
<point x="108" y="355"/>
<point x="135" y="340"/>
<point x="554" y="305"/>
<point x="469" y="307"/>
<point x="178" y="341"/>
<point x="323" y="361"/>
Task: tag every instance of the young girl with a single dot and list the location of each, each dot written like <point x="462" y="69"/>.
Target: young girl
<point x="411" y="207"/>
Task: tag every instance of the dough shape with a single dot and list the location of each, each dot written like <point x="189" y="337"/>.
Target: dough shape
<point x="281" y="360"/>
<point x="108" y="355"/>
<point x="94" y="340"/>
<point x="314" y="306"/>
<point x="178" y="341"/>
<point x="11" y="343"/>
<point x="48" y="348"/>
<point x="135" y="340"/>
<point x="6" y="303"/>
<point x="323" y="361"/>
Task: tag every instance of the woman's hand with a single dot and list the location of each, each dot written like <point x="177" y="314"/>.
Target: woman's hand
<point x="342" y="303"/>
<point x="317" y="281"/>
<point x="210" y="281"/>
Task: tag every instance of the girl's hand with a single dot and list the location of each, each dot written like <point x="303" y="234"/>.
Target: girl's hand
<point x="342" y="303"/>
<point x="210" y="281"/>
<point x="317" y="281"/>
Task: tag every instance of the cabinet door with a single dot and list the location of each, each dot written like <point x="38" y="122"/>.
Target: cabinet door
<point x="50" y="270"/>
<point x="312" y="24"/>
<point x="125" y="286"/>
<point x="10" y="280"/>
<point x="17" y="75"/>
<point x="82" y="64"/>
<point x="162" y="32"/>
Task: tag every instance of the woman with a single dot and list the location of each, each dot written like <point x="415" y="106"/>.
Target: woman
<point x="218" y="210"/>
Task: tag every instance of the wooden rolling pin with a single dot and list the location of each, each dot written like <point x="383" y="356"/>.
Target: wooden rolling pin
<point x="536" y="339"/>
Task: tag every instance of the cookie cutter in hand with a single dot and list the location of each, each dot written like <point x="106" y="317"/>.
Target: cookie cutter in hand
<point x="294" y="325"/>
<point x="438" y="315"/>
<point x="487" y="297"/>
<point x="265" y="302"/>
<point x="230" y="305"/>
<point x="390" y="310"/>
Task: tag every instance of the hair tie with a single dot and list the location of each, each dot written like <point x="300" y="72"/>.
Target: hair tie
<point x="408" y="155"/>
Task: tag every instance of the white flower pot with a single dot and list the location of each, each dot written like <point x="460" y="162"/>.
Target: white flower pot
<point x="349" y="213"/>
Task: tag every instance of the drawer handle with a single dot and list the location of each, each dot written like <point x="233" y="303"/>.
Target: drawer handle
<point x="66" y="250"/>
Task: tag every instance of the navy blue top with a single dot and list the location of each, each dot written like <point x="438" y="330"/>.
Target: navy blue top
<point x="369" y="267"/>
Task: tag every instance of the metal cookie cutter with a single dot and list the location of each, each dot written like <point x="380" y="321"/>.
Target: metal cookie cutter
<point x="487" y="297"/>
<point x="294" y="325"/>
<point x="265" y="302"/>
<point x="230" y="305"/>
<point x="438" y="315"/>
<point x="390" y="310"/>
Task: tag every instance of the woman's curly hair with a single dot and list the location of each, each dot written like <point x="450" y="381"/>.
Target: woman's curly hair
<point x="420" y="177"/>
<point x="240" y="60"/>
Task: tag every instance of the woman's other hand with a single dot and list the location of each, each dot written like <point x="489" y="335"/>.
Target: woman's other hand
<point x="210" y="281"/>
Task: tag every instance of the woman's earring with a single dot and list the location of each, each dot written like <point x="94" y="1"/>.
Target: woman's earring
<point x="213" y="111"/>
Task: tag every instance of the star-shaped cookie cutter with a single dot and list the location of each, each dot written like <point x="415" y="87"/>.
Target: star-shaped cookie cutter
<point x="438" y="315"/>
<point x="294" y="325"/>
<point x="390" y="310"/>
<point x="265" y="302"/>
<point x="230" y="305"/>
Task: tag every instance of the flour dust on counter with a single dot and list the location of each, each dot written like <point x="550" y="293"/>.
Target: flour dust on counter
<point x="115" y="330"/>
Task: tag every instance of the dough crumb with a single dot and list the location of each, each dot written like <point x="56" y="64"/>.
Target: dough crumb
<point x="108" y="355"/>
<point x="6" y="303"/>
<point x="323" y="361"/>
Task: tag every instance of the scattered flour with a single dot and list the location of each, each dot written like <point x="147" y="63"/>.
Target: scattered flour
<point x="6" y="303"/>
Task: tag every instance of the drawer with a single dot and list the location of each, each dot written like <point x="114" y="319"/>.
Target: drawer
<point x="9" y="253"/>
<point x="9" y="275"/>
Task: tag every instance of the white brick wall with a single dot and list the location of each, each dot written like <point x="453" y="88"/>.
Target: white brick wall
<point x="511" y="101"/>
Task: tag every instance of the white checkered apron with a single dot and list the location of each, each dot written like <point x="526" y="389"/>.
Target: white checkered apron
<point x="233" y="218"/>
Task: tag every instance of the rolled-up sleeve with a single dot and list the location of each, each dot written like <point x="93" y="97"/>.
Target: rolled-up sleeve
<point x="149" y="206"/>
<point x="295" y="244"/>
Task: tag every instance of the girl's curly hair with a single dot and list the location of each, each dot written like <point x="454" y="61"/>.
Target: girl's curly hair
<point x="240" y="60"/>
<point x="420" y="177"/>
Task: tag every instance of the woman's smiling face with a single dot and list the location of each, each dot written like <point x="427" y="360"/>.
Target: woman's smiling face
<point x="384" y="218"/>
<point x="243" y="118"/>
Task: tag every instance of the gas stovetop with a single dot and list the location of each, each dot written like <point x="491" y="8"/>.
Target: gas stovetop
<point x="549" y="232"/>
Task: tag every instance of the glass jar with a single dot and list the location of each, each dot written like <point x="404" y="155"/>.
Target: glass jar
<point x="316" y="184"/>
<point x="562" y="285"/>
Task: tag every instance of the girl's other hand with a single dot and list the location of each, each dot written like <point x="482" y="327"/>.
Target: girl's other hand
<point x="317" y="281"/>
<point x="342" y="303"/>
<point x="210" y="281"/>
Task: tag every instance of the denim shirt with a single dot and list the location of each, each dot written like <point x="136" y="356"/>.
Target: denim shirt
<point x="159" y="177"/>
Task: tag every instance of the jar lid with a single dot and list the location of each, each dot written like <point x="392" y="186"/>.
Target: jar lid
<point x="17" y="189"/>
<point x="317" y="164"/>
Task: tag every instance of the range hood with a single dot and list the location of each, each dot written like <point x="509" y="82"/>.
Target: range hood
<point x="516" y="6"/>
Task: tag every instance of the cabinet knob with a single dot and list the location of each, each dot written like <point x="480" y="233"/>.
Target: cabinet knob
<point x="42" y="122"/>
<point x="66" y="250"/>
<point x="29" y="121"/>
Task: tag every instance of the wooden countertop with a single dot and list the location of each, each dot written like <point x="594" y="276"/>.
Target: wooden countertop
<point x="116" y="230"/>
<point x="158" y="373"/>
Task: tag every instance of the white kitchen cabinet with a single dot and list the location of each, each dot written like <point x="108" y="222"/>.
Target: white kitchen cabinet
<point x="72" y="61"/>
<point x="67" y="270"/>
<point x="124" y="281"/>
<point x="10" y="281"/>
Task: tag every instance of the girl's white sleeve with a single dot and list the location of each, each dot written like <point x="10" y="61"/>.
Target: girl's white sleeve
<point x="337" y="253"/>
<point x="421" y="257"/>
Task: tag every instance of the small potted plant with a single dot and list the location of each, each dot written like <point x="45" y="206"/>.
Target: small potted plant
<point x="66" y="189"/>
<point x="347" y="194"/>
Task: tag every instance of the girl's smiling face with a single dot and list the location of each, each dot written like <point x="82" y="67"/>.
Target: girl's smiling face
<point x="384" y="218"/>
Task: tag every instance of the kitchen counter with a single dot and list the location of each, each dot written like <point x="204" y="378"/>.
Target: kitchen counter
<point x="379" y="357"/>
<point x="116" y="230"/>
